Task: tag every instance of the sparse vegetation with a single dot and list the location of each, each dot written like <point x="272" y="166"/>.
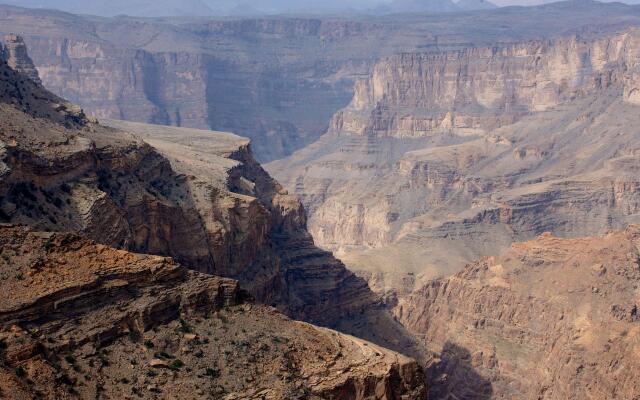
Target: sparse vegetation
<point x="134" y="336"/>
<point x="20" y="372"/>
<point x="176" y="365"/>
<point x="185" y="327"/>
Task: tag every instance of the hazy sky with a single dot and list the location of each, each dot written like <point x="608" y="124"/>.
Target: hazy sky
<point x="224" y="7"/>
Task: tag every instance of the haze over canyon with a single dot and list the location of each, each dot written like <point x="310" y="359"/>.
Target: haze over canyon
<point x="433" y="200"/>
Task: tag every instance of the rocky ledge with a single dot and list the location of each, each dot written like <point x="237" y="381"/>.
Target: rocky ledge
<point x="86" y="320"/>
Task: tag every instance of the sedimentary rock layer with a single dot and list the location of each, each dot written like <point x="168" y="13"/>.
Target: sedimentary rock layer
<point x="275" y="80"/>
<point x="476" y="90"/>
<point x="408" y="202"/>
<point x="14" y="53"/>
<point x="198" y="196"/>
<point x="551" y="319"/>
<point x="85" y="320"/>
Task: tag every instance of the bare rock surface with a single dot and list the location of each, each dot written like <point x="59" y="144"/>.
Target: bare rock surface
<point x="86" y="320"/>
<point x="442" y="158"/>
<point x="199" y="197"/>
<point x="87" y="314"/>
<point x="276" y="80"/>
<point x="15" y="55"/>
<point x="552" y="318"/>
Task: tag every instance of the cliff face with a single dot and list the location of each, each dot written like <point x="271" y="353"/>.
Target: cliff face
<point x="550" y="319"/>
<point x="80" y="313"/>
<point x="85" y="320"/>
<point x="197" y="196"/>
<point x="14" y="53"/>
<point x="430" y="197"/>
<point x="207" y="203"/>
<point x="275" y="80"/>
<point x="479" y="89"/>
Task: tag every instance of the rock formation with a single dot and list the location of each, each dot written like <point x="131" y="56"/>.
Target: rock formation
<point x="442" y="158"/>
<point x="84" y="320"/>
<point x="83" y="316"/>
<point x="550" y="319"/>
<point x="15" y="55"/>
<point x="476" y="90"/>
<point x="275" y="80"/>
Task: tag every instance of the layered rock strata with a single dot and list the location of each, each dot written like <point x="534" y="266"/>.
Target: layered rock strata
<point x="476" y="90"/>
<point x="85" y="320"/>
<point x="276" y="80"/>
<point x="198" y="196"/>
<point x="550" y="319"/>
<point x="403" y="203"/>
<point x="14" y="53"/>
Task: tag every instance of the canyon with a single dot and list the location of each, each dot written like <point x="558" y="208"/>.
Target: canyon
<point x="474" y="174"/>
<point x="442" y="158"/>
<point x="275" y="80"/>
<point x="111" y="247"/>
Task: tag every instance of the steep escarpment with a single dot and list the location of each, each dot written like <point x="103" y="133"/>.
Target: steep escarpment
<point x="14" y="53"/>
<point x="479" y="89"/>
<point x="84" y="314"/>
<point x="542" y="149"/>
<point x="252" y="229"/>
<point x="197" y="196"/>
<point x="550" y="319"/>
<point x="275" y="80"/>
<point x="85" y="320"/>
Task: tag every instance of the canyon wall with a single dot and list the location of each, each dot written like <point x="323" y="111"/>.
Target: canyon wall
<point x="550" y="319"/>
<point x="85" y="320"/>
<point x="476" y="90"/>
<point x="275" y="80"/>
<point x="114" y="316"/>
<point x="14" y="53"/>
<point x="197" y="196"/>
<point x="442" y="158"/>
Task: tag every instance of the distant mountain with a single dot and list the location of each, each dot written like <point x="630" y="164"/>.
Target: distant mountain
<point x="139" y="8"/>
<point x="161" y="8"/>
<point x="429" y="6"/>
<point x="469" y="5"/>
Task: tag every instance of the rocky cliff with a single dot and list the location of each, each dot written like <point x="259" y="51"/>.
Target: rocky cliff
<point x="550" y="319"/>
<point x="548" y="144"/>
<point x="275" y="80"/>
<point x="476" y="90"/>
<point x="14" y="53"/>
<point x="85" y="320"/>
<point x="200" y="197"/>
<point x="197" y="196"/>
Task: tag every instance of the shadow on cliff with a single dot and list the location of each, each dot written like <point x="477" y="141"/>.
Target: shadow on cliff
<point x="452" y="376"/>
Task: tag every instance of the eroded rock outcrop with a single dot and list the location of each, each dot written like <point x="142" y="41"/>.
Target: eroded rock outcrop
<point x="85" y="320"/>
<point x="551" y="319"/>
<point x="82" y="316"/>
<point x="479" y="89"/>
<point x="197" y="196"/>
<point x="14" y="53"/>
